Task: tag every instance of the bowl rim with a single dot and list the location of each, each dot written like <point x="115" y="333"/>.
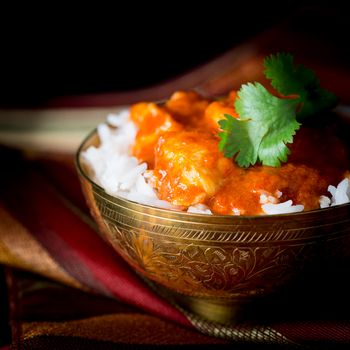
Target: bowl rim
<point x="182" y="214"/>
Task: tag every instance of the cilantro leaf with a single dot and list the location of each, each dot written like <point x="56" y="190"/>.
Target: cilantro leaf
<point x="239" y="136"/>
<point x="291" y="79"/>
<point x="266" y="124"/>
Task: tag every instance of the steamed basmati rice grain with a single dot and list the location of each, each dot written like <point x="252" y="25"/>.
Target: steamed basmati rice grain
<point x="199" y="209"/>
<point x="236" y="211"/>
<point x="118" y="120"/>
<point x="282" y="208"/>
<point x="339" y="194"/>
<point x="266" y="198"/>
<point x="324" y="202"/>
<point x="270" y="205"/>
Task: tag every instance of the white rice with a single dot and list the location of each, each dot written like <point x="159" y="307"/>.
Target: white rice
<point x="281" y="208"/>
<point x="341" y="193"/>
<point x="119" y="173"/>
<point x="199" y="209"/>
<point x="115" y="169"/>
<point x="324" y="201"/>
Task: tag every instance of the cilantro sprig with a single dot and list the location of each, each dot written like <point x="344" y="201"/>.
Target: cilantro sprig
<point x="291" y="79"/>
<point x="267" y="123"/>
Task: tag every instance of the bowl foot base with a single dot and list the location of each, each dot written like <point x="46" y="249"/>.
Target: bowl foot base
<point x="216" y="310"/>
<point x="225" y="311"/>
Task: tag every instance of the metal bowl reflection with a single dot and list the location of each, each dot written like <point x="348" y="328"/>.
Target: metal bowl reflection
<point x="214" y="264"/>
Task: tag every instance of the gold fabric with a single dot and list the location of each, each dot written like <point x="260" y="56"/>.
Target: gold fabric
<point x="19" y="249"/>
<point x="116" y="328"/>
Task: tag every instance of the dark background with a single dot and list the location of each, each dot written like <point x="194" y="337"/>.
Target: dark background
<point x="63" y="52"/>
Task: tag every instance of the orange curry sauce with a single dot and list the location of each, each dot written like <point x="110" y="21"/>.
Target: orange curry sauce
<point x="179" y="142"/>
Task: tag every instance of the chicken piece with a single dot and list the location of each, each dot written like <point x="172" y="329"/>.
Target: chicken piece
<point x="189" y="168"/>
<point x="187" y="107"/>
<point x="217" y="109"/>
<point x="151" y="121"/>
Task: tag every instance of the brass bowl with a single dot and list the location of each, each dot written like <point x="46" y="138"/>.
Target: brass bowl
<point x="214" y="264"/>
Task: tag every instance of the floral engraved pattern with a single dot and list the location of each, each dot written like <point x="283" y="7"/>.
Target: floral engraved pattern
<point x="235" y="261"/>
<point x="198" y="269"/>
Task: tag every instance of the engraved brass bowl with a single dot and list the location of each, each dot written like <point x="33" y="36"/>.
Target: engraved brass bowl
<point x="213" y="265"/>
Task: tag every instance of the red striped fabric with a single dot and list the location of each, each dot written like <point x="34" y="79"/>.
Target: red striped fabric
<point x="77" y="247"/>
